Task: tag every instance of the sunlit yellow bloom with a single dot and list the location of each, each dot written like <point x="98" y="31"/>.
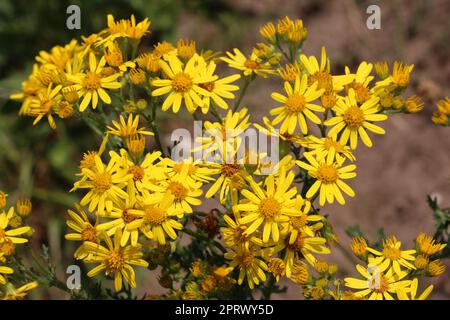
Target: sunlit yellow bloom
<point x="12" y="293"/>
<point x="289" y="72"/>
<point x="121" y="216"/>
<point x="378" y="284"/>
<point x="392" y="256"/>
<point x="271" y="207"/>
<point x="353" y="120"/>
<point x="192" y="171"/>
<point x="436" y="268"/>
<point x="128" y="128"/>
<point x="224" y="138"/>
<point x="382" y="70"/>
<point x="84" y="230"/>
<point x="23" y="207"/>
<point x="104" y="183"/>
<point x="361" y="81"/>
<point x="413" y="104"/>
<point x="251" y="266"/>
<point x="234" y="234"/>
<point x="182" y="84"/>
<point x="329" y="176"/>
<point x="427" y="245"/>
<point x="301" y="247"/>
<point x="219" y="89"/>
<point x="186" y="48"/>
<point x="127" y="28"/>
<point x="268" y="31"/>
<point x="402" y="294"/>
<point x="442" y="115"/>
<point x="12" y="235"/>
<point x="230" y="181"/>
<point x="45" y="104"/>
<point x="400" y="76"/>
<point x="359" y="247"/>
<point x="157" y="219"/>
<point x="91" y="84"/>
<point x="184" y="196"/>
<point x="304" y="223"/>
<point x="115" y="260"/>
<point x="296" y="106"/>
<point x="164" y="49"/>
<point x="327" y="148"/>
<point x="249" y="66"/>
<point x="321" y="73"/>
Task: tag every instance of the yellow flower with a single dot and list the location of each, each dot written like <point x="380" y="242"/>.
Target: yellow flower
<point x="219" y="89"/>
<point x="115" y="259"/>
<point x="329" y="176"/>
<point x="234" y="234"/>
<point x="427" y="245"/>
<point x="289" y="72"/>
<point x="249" y="66"/>
<point x="156" y="220"/>
<point x="104" y="184"/>
<point x="44" y="105"/>
<point x="277" y="268"/>
<point x="361" y="80"/>
<point x="12" y="234"/>
<point x="296" y="106"/>
<point x="377" y="283"/>
<point x="186" y="48"/>
<point x="321" y="73"/>
<point x="182" y="83"/>
<point x="176" y="188"/>
<point x="268" y="31"/>
<point x="128" y="128"/>
<point x="441" y="116"/>
<point x="250" y="264"/>
<point x="402" y="294"/>
<point x="436" y="268"/>
<point x="413" y="104"/>
<point x="224" y="138"/>
<point x="327" y="148"/>
<point x="24" y="207"/>
<point x="194" y="172"/>
<point x="400" y="74"/>
<point x="304" y="223"/>
<point x="353" y="120"/>
<point x="3" y="197"/>
<point x="392" y="256"/>
<point x="230" y="181"/>
<point x="121" y="216"/>
<point x="79" y="222"/>
<point x="359" y="247"/>
<point x="270" y="208"/>
<point x="13" y="293"/>
<point x="127" y="28"/>
<point x="91" y="84"/>
<point x="4" y="270"/>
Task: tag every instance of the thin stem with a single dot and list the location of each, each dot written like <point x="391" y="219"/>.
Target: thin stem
<point x="241" y="94"/>
<point x="323" y="129"/>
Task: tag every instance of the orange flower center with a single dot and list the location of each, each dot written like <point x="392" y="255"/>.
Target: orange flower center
<point x="251" y="64"/>
<point x="92" y="81"/>
<point x="229" y="170"/>
<point x="89" y="234"/>
<point x="269" y="207"/>
<point x="102" y="181"/>
<point x="209" y="86"/>
<point x="295" y="103"/>
<point x="154" y="215"/>
<point x="392" y="253"/>
<point x="354" y="117"/>
<point x="323" y="78"/>
<point x="182" y="82"/>
<point x="177" y="190"/>
<point x="327" y="174"/>
<point x="137" y="172"/>
<point x="114" y="262"/>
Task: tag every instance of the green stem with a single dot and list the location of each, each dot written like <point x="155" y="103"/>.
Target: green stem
<point x="241" y="94"/>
